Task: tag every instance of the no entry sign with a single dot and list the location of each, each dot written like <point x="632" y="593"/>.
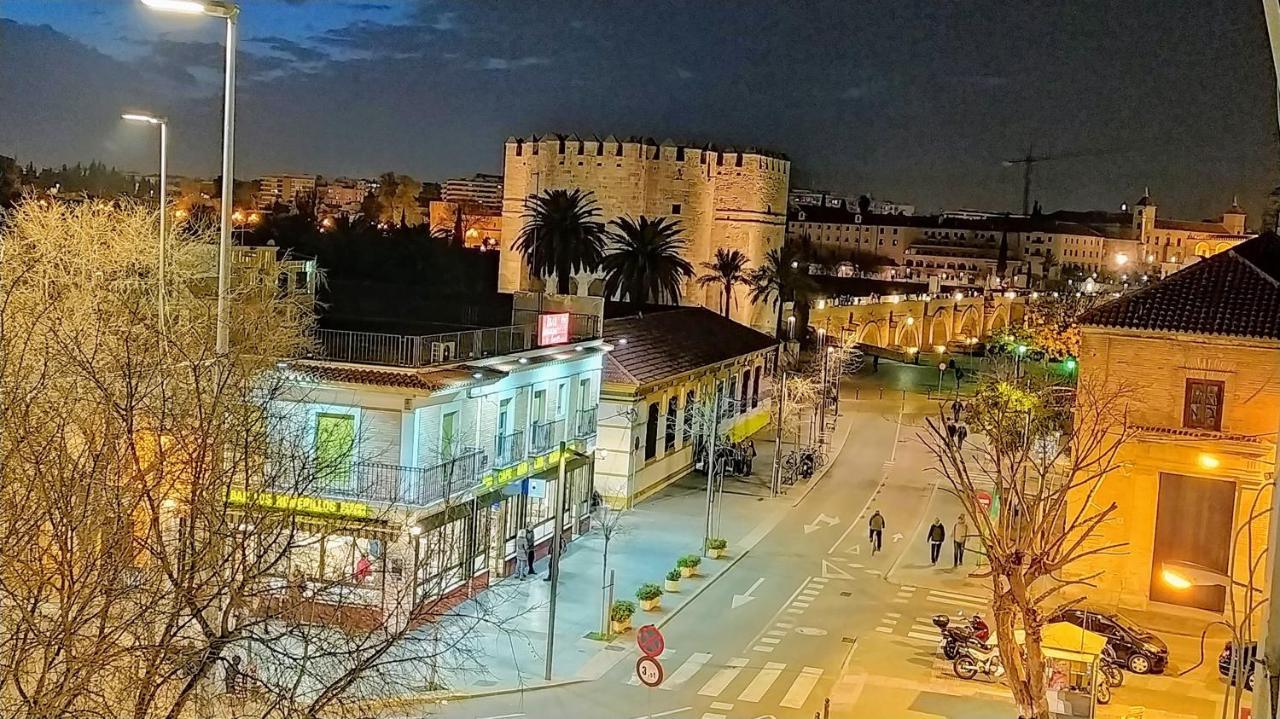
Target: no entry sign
<point x="650" y="641"/>
<point x="984" y="499"/>
<point x="649" y="670"/>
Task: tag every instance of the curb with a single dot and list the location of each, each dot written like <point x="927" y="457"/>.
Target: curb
<point x="835" y="452"/>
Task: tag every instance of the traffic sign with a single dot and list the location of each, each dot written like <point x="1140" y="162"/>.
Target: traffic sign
<point x="984" y="499"/>
<point x="649" y="670"/>
<point x="650" y="641"/>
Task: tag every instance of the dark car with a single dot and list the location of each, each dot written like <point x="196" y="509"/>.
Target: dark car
<point x="1133" y="647"/>
<point x="1249" y="651"/>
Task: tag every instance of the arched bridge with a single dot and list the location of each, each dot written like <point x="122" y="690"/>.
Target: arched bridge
<point x="915" y="324"/>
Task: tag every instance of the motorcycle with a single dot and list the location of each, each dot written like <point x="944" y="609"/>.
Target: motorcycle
<point x="955" y="637"/>
<point x="973" y="659"/>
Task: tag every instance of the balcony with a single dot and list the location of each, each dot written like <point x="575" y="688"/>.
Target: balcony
<point x="437" y="349"/>
<point x="544" y="436"/>
<point x="509" y="449"/>
<point x="397" y="484"/>
<point x="585" y="423"/>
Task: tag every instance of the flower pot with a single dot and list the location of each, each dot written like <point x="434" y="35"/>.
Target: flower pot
<point x="715" y="553"/>
<point x="688" y="571"/>
<point x="620" y="627"/>
<point x="671" y="585"/>
<point x="650" y="605"/>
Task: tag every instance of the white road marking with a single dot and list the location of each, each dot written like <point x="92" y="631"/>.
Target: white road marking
<point x="721" y="706"/>
<point x="740" y="599"/>
<point x="889" y="622"/>
<point x="709" y="715"/>
<point x="776" y="633"/>
<point x="819" y="580"/>
<point x="668" y="712"/>
<point x="831" y="571"/>
<point x="935" y="638"/>
<point x="885" y="630"/>
<point x="894" y="615"/>
<point x="686" y="670"/>
<point x="956" y="602"/>
<point x="810" y="592"/>
<point x="784" y="625"/>
<point x="503" y="716"/>
<point x="854" y="566"/>
<point x="723" y="678"/>
<point x="875" y="572"/>
<point x="953" y="595"/>
<point x="795" y="611"/>
<point x="800" y="604"/>
<point x="907" y="587"/>
<point x="770" y="640"/>
<point x="760" y="685"/>
<point x="762" y="648"/>
<point x="800" y="689"/>
<point x="899" y="601"/>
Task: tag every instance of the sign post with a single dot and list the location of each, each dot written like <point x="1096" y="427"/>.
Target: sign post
<point x="651" y="643"/>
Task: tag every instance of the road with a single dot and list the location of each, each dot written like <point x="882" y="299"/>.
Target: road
<point x="771" y="636"/>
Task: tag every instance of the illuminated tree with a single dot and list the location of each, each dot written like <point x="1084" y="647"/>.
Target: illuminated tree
<point x="645" y="262"/>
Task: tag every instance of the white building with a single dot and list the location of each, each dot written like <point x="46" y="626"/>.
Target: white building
<point x="661" y="381"/>
<point x="428" y="455"/>
<point x="285" y="188"/>
<point x="480" y="189"/>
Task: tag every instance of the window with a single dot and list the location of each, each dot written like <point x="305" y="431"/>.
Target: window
<point x="1202" y="408"/>
<point x="689" y="409"/>
<point x="675" y="208"/>
<point x="755" y="389"/>
<point x="730" y="401"/>
<point x="584" y="394"/>
<point x="334" y="446"/>
<point x="562" y="399"/>
<point x="672" y="408"/>
<point x="745" y="389"/>
<point x="538" y="407"/>
<point x="651" y="433"/>
<point x="448" y="435"/>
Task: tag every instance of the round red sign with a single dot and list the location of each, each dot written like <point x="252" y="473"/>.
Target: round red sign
<point x="650" y="641"/>
<point x="649" y="670"/>
<point x="984" y="498"/>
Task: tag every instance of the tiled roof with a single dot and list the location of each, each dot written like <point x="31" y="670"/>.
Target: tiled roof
<point x="1235" y="293"/>
<point x="425" y="380"/>
<point x="666" y="344"/>
<point x="1192" y="226"/>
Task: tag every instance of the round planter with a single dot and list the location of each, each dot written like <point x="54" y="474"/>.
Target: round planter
<point x="670" y="586"/>
<point x="650" y="605"/>
<point x="620" y="627"/>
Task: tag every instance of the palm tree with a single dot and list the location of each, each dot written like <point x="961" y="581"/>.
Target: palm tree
<point x="728" y="269"/>
<point x="562" y="235"/>
<point x="780" y="279"/>
<point x="645" y="264"/>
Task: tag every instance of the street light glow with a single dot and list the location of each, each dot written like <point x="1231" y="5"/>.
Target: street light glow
<point x="212" y="8"/>
<point x="1121" y="259"/>
<point x="1208" y="461"/>
<point x="142" y="117"/>
<point x="1175" y="580"/>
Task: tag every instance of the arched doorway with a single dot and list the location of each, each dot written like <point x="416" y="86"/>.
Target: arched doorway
<point x="870" y="334"/>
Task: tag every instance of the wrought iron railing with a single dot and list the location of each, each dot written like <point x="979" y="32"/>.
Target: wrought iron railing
<point x="509" y="449"/>
<point x="543" y="436"/>
<point x="397" y="484"/>
<point x="585" y="423"/>
<point x="426" y="350"/>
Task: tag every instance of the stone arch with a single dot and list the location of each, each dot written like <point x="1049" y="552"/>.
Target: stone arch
<point x="1202" y="249"/>
<point x="999" y="318"/>
<point x="596" y="288"/>
<point x="940" y="329"/>
<point x="969" y="324"/>
<point x="1223" y="247"/>
<point x="908" y="335"/>
<point x="573" y="286"/>
<point x="870" y="334"/>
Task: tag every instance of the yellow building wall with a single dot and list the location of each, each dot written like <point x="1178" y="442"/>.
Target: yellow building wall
<point x="1153" y="369"/>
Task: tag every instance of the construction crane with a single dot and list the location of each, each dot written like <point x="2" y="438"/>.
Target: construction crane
<point x="1029" y="160"/>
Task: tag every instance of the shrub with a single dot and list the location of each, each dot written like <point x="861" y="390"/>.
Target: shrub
<point x="648" y="591"/>
<point x="621" y="610"/>
<point x="689" y="560"/>
<point x="673" y="575"/>
<point x="717" y="543"/>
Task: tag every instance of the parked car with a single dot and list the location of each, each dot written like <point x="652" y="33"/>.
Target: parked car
<point x="1249" y="651"/>
<point x="1133" y="647"/>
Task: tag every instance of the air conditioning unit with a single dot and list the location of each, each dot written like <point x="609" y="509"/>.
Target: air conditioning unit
<point x="443" y="351"/>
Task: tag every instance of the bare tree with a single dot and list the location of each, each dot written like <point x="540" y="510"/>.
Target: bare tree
<point x="154" y="493"/>
<point x="1042" y="452"/>
<point x="609" y="521"/>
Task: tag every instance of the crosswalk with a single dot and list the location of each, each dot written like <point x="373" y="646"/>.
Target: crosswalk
<point x="741" y="679"/>
<point x="922" y="629"/>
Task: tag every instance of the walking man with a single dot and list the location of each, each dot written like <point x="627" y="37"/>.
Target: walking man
<point x="955" y="405"/>
<point x="962" y="431"/>
<point x="522" y="556"/>
<point x="937" y="533"/>
<point x="529" y="549"/>
<point x="959" y="532"/>
<point x="876" y="524"/>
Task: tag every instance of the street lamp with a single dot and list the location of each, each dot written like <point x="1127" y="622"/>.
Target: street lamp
<point x="230" y="12"/>
<point x="164" y="210"/>
<point x="553" y="572"/>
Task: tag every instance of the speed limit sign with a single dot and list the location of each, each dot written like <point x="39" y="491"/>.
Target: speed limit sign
<point x="649" y="671"/>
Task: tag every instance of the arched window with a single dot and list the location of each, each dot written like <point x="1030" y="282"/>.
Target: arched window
<point x="755" y="389"/>
<point x="744" y="390"/>
<point x="690" y="409"/>
<point x="672" y="408"/>
<point x="651" y="433"/>
<point x="1202" y="249"/>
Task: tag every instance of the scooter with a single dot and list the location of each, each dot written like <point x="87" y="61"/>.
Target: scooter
<point x="955" y="637"/>
<point x="973" y="659"/>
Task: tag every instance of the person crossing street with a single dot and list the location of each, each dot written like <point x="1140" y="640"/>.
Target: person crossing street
<point x="876" y="524"/>
<point x="937" y="533"/>
<point x="959" y="532"/>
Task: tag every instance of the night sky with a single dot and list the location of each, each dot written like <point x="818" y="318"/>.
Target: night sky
<point x="912" y="100"/>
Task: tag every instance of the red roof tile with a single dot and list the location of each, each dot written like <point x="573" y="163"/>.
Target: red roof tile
<point x="673" y="342"/>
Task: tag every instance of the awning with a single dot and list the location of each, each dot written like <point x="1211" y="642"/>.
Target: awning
<point x="1061" y="640"/>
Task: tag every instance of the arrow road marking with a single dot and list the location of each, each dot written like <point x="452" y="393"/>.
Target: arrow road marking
<point x="897" y="537"/>
<point x="740" y="599"/>
<point x="822" y="521"/>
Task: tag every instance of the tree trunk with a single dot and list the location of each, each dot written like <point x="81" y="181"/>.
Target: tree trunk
<point x="562" y="280"/>
<point x="728" y="297"/>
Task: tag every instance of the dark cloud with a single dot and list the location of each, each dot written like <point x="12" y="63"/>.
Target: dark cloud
<point x="290" y="48"/>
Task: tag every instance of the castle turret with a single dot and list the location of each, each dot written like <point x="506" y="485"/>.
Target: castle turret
<point x="1233" y="218"/>
<point x="1144" y="216"/>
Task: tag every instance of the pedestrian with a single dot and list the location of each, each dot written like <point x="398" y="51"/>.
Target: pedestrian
<point x="959" y="533"/>
<point x="522" y="556"/>
<point x="750" y="454"/>
<point x="959" y="375"/>
<point x="937" y="533"/>
<point x="233" y="676"/>
<point x="876" y="524"/>
<point x="962" y="431"/>
<point x="529" y="549"/>
<point x="875" y="363"/>
<point x="364" y="568"/>
<point x="955" y="409"/>
<point x="951" y="430"/>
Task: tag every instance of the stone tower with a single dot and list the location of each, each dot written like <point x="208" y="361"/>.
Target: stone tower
<point x="1144" y="216"/>
<point x="722" y="197"/>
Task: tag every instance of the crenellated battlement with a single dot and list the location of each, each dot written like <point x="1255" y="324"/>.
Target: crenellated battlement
<point x="646" y="150"/>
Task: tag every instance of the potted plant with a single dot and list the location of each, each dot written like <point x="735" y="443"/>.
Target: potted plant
<point x="650" y="596"/>
<point x="716" y="547"/>
<point x="620" y="616"/>
<point x="673" y="581"/>
<point x="688" y="564"/>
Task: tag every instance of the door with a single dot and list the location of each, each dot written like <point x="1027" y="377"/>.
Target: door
<point x="1194" y="520"/>
<point x="334" y="447"/>
<point x="448" y="436"/>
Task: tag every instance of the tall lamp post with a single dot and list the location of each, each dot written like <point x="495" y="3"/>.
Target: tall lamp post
<point x="164" y="210"/>
<point x="230" y="12"/>
<point x="553" y="571"/>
